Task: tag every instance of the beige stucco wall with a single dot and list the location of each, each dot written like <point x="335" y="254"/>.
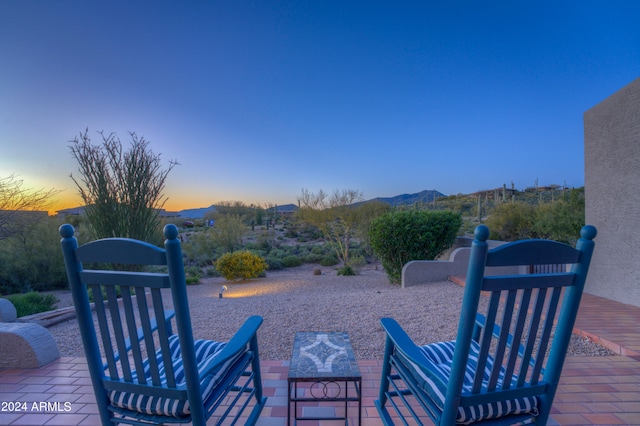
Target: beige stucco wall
<point x="612" y="190"/>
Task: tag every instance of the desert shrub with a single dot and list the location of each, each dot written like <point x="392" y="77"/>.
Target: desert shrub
<point x="308" y="232"/>
<point x="33" y="260"/>
<point x="313" y="258"/>
<point x="210" y="271"/>
<point x="318" y="250"/>
<point x="302" y="250"/>
<point x="357" y="261"/>
<point x="201" y="261"/>
<point x="291" y="261"/>
<point x="274" y="263"/>
<point x="347" y="270"/>
<point x="241" y="265"/>
<point x="265" y="241"/>
<point x="200" y="248"/>
<point x="291" y="233"/>
<point x="193" y="274"/>
<point x="399" y="237"/>
<point x="290" y="250"/>
<point x="561" y="220"/>
<point x="252" y="247"/>
<point x="32" y="303"/>
<point x="279" y="253"/>
<point x="512" y="221"/>
<point x="355" y="252"/>
<point x="329" y="260"/>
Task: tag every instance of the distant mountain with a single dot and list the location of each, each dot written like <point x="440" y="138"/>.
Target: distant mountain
<point x="196" y="213"/>
<point x="199" y="213"/>
<point x="287" y="208"/>
<point x="426" y="196"/>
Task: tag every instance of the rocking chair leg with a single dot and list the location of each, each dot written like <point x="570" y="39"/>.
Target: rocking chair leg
<point x="257" y="383"/>
<point x="384" y="383"/>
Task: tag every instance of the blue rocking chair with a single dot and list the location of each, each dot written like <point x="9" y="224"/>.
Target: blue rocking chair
<point x="505" y="364"/>
<point x="151" y="374"/>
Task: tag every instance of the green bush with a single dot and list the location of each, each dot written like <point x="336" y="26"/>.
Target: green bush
<point x="193" y="274"/>
<point x="313" y="258"/>
<point x="211" y="272"/>
<point x="279" y="253"/>
<point x="512" y="221"/>
<point x="347" y="270"/>
<point x="274" y="263"/>
<point x="291" y="233"/>
<point x="240" y="265"/>
<point x="560" y="220"/>
<point x="33" y="260"/>
<point x="357" y="261"/>
<point x="318" y="250"/>
<point x="329" y="261"/>
<point x="32" y="303"/>
<point x="399" y="237"/>
<point x="228" y="231"/>
<point x="291" y="261"/>
<point x="200" y="249"/>
<point x="309" y="233"/>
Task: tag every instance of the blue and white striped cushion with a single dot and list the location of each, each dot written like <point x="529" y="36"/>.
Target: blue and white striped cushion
<point x="206" y="351"/>
<point x="434" y="376"/>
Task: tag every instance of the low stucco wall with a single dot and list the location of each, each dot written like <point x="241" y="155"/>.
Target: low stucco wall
<point x="419" y="272"/>
<point x="26" y="345"/>
<point x="428" y="271"/>
<point x="23" y="344"/>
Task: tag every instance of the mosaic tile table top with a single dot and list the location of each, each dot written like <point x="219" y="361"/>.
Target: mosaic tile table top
<point x="323" y="355"/>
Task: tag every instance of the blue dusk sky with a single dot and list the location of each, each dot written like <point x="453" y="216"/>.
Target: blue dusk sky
<point x="259" y="99"/>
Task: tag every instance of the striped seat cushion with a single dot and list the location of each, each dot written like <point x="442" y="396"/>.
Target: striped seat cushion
<point x="434" y="376"/>
<point x="206" y="351"/>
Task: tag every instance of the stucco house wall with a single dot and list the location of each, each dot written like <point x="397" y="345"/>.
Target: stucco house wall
<point x="612" y="191"/>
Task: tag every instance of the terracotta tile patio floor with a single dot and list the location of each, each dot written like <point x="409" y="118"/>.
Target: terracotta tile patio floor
<point x="593" y="390"/>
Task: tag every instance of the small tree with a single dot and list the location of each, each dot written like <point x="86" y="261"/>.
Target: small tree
<point x="228" y="232"/>
<point x="368" y="212"/>
<point x="122" y="190"/>
<point x="15" y="203"/>
<point x="33" y="259"/>
<point x="401" y="236"/>
<point x="334" y="215"/>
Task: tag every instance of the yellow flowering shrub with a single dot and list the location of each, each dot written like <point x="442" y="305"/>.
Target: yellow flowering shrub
<point x="240" y="265"/>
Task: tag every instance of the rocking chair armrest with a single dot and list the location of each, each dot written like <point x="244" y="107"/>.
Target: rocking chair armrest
<point x="243" y="337"/>
<point x="403" y="342"/>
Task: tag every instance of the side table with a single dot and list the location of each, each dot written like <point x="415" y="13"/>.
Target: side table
<point x="326" y="361"/>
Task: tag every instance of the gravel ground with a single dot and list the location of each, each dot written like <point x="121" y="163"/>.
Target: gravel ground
<point x="296" y="300"/>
